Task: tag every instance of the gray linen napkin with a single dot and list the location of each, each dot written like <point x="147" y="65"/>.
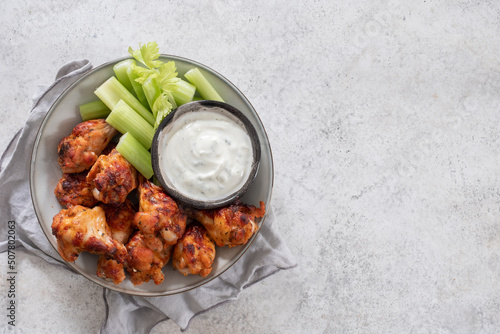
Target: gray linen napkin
<point x="124" y="313"/>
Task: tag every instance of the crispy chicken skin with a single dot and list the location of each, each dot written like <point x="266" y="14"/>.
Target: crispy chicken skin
<point x="112" y="178"/>
<point x="109" y="268"/>
<point x="119" y="219"/>
<point x="194" y="253"/>
<point x="232" y="225"/>
<point x="80" y="150"/>
<point x="73" y="189"/>
<point x="143" y="263"/>
<point x="78" y="229"/>
<point x="159" y="219"/>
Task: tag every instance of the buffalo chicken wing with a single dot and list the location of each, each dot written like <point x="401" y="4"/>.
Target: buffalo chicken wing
<point x="78" y="229"/>
<point x="159" y="219"/>
<point x="144" y="264"/>
<point x="195" y="252"/>
<point x="119" y="219"/>
<point x="73" y="189"/>
<point x="80" y="150"/>
<point x="112" y="178"/>
<point x="232" y="225"/>
<point x="109" y="268"/>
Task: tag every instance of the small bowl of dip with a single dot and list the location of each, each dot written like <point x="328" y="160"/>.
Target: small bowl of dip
<point x="205" y="154"/>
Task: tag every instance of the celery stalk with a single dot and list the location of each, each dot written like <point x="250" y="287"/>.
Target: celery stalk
<point x="184" y="92"/>
<point x="152" y="90"/>
<point x="124" y="119"/>
<point x="206" y="90"/>
<point x="94" y="110"/>
<point x="112" y="91"/>
<point x="137" y="87"/>
<point x="136" y="154"/>
<point x="120" y="70"/>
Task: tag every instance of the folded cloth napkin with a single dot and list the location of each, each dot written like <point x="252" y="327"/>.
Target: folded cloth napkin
<point x="124" y="313"/>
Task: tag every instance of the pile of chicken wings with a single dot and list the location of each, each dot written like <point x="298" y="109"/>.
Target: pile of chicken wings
<point x="111" y="210"/>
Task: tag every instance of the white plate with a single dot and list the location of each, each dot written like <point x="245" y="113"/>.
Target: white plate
<point x="45" y="173"/>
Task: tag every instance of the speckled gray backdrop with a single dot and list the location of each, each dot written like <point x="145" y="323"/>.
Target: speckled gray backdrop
<point x="383" y="118"/>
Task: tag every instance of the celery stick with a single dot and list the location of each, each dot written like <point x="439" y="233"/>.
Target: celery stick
<point x="94" y="110"/>
<point x="137" y="87"/>
<point x="124" y="119"/>
<point x="136" y="154"/>
<point x="112" y="91"/>
<point x="184" y="92"/>
<point x="120" y="70"/>
<point x="204" y="87"/>
<point x="152" y="90"/>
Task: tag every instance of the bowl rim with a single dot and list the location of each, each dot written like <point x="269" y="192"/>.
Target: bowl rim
<point x="195" y="106"/>
<point x="101" y="282"/>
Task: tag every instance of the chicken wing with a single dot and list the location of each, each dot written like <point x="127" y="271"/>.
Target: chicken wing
<point x="119" y="219"/>
<point x="109" y="268"/>
<point x="112" y="178"/>
<point x="80" y="150"/>
<point x="159" y="219"/>
<point x="232" y="225"/>
<point x="73" y="189"/>
<point x="143" y="263"/>
<point x="194" y="253"/>
<point x="78" y="229"/>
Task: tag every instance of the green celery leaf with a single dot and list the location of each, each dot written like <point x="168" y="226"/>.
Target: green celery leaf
<point x="161" y="108"/>
<point x="168" y="76"/>
<point x="144" y="73"/>
<point x="147" y="55"/>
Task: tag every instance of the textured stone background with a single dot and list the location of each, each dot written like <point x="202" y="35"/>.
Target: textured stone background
<point x="383" y="117"/>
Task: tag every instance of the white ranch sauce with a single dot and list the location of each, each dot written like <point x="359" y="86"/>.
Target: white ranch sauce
<point x="206" y="155"/>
